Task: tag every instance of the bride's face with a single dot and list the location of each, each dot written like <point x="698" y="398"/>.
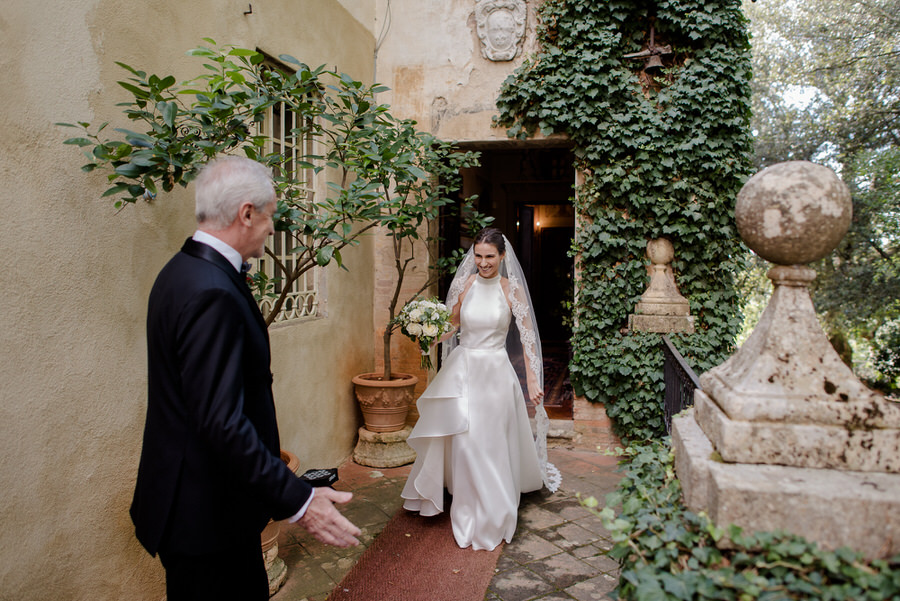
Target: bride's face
<point x="487" y="259"/>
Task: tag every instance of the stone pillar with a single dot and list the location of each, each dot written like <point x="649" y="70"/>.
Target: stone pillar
<point x="804" y="445"/>
<point x="661" y="308"/>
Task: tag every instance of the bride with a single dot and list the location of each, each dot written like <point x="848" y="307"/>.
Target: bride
<point x="473" y="436"/>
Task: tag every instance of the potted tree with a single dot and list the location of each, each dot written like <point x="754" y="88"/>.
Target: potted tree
<point x="416" y="178"/>
<point x="219" y="112"/>
<point x="388" y="175"/>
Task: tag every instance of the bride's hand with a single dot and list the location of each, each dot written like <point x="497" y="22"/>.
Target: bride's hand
<point x="535" y="393"/>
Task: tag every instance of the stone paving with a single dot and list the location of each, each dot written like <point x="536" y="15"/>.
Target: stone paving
<point x="557" y="553"/>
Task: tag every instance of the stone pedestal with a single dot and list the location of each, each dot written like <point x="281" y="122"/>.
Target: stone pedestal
<point x="782" y="434"/>
<point x="384" y="449"/>
<point x="661" y="308"/>
<point x="833" y="508"/>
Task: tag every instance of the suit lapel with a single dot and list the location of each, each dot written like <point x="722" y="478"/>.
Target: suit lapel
<point x="208" y="253"/>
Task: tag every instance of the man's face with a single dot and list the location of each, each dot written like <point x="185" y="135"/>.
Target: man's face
<point x="261" y="227"/>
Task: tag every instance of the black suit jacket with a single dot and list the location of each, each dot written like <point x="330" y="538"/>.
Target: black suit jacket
<point x="210" y="470"/>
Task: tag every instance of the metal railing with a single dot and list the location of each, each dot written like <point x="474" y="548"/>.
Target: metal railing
<point x="680" y="381"/>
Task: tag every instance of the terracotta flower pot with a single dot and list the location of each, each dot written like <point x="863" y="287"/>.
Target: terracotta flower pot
<point x="384" y="404"/>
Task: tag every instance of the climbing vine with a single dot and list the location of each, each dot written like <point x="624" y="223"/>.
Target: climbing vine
<point x="663" y="154"/>
<point x="668" y="553"/>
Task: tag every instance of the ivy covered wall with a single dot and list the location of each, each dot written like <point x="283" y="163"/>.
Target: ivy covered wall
<point x="663" y="154"/>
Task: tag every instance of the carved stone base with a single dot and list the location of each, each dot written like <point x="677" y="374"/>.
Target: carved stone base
<point x="384" y="449"/>
<point x="833" y="508"/>
<point x="662" y="324"/>
<point x="801" y="445"/>
<point x="785" y="397"/>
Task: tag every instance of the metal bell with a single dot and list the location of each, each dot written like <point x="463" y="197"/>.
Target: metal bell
<point x="654" y="63"/>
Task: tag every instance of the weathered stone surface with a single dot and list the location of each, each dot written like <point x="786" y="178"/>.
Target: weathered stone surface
<point x="834" y="508"/>
<point x="384" y="449"/>
<point x="661" y="308"/>
<point x="787" y="370"/>
<point x="276" y="572"/>
<point x="661" y="323"/>
<point x="500" y="25"/>
<point x="785" y="397"/>
<point x="690" y="444"/>
<point x="794" y="212"/>
<point x="803" y="445"/>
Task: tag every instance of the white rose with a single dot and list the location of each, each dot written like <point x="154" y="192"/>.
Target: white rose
<point x="415" y="315"/>
<point x="427" y="305"/>
<point x="414" y="329"/>
<point x="430" y="330"/>
<point x="441" y="307"/>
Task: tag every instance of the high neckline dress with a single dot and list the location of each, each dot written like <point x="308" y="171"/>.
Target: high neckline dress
<point x="473" y="436"/>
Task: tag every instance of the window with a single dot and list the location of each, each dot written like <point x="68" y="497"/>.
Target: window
<point x="302" y="300"/>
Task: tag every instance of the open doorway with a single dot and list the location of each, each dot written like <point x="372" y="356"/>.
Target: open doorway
<point x="527" y="189"/>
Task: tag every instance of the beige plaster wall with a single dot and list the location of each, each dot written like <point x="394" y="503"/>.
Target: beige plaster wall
<point x="431" y="59"/>
<point x="77" y="275"/>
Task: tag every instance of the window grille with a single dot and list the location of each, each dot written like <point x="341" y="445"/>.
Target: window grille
<point x="302" y="300"/>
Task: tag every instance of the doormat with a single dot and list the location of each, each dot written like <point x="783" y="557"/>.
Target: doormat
<point x="416" y="558"/>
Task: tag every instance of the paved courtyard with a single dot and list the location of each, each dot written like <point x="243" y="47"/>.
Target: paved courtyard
<point x="557" y="553"/>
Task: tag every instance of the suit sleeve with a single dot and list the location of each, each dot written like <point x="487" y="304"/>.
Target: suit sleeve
<point x="211" y="340"/>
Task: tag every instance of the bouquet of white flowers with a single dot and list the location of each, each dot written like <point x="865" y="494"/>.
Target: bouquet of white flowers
<point x="423" y="322"/>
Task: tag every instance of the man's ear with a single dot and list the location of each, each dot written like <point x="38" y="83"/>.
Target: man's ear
<point x="245" y="213"/>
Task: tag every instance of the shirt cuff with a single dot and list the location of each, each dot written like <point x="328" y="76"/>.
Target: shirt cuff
<point x="296" y="517"/>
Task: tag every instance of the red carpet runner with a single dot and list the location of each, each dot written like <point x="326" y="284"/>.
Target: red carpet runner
<point x="417" y="559"/>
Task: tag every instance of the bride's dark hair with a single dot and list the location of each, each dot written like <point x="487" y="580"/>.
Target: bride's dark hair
<point x="492" y="236"/>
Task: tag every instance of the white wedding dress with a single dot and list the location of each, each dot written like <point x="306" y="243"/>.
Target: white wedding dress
<point x="473" y="434"/>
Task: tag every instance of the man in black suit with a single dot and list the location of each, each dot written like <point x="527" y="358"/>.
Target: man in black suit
<point x="210" y="474"/>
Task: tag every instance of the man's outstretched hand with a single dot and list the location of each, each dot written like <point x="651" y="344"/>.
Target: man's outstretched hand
<point x="325" y="522"/>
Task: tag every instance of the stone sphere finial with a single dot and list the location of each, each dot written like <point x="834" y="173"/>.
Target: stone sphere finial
<point x="793" y="213"/>
<point x="660" y="251"/>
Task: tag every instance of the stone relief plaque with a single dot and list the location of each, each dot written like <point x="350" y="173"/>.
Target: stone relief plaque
<point x="501" y="26"/>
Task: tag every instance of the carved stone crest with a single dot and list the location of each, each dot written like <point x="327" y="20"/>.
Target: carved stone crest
<point x="501" y="26"/>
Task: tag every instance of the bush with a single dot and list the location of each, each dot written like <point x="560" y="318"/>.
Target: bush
<point x="667" y="552"/>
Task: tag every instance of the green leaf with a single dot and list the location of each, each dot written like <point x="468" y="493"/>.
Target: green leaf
<point x="241" y="52"/>
<point x="136" y="91"/>
<point x="128" y="170"/>
<point x="324" y="255"/>
<point x="117" y="189"/>
<point x="169" y="110"/>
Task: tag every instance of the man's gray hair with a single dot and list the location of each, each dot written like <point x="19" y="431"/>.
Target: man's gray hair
<point x="224" y="184"/>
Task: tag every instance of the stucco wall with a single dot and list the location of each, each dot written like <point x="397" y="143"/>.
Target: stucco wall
<point x="431" y="59"/>
<point x="77" y="276"/>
